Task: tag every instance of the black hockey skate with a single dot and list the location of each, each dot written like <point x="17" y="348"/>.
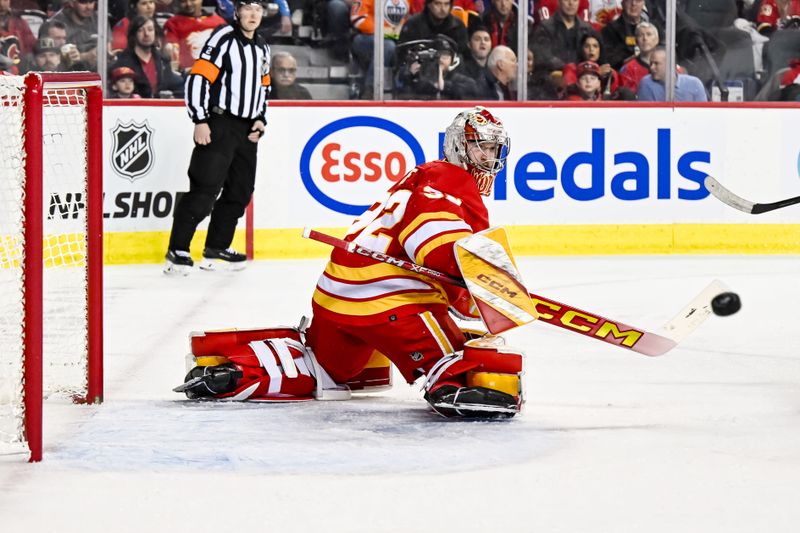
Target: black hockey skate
<point x="178" y="262"/>
<point x="472" y="402"/>
<point x="205" y="381"/>
<point x="228" y="259"/>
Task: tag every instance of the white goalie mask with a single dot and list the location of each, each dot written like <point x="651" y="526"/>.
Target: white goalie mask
<point x="477" y="142"/>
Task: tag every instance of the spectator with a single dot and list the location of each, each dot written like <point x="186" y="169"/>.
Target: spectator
<point x="638" y="67"/>
<point x="652" y="88"/>
<point x="790" y="83"/>
<point x="11" y="24"/>
<point x="619" y="35"/>
<point x="501" y="71"/>
<point x="435" y="20"/>
<point x="122" y="83"/>
<point x="591" y="49"/>
<point x="775" y="14"/>
<point x="556" y="41"/>
<point x="442" y="81"/>
<point x="547" y="8"/>
<point x="501" y="21"/>
<point x="475" y="7"/>
<point x="284" y="79"/>
<point x="188" y="31"/>
<point x="119" y="33"/>
<point x="154" y="76"/>
<point x="80" y="20"/>
<point x="46" y="57"/>
<point x="479" y="45"/>
<point x="57" y="31"/>
<point x="363" y="20"/>
<point x="690" y="37"/>
<point x="603" y="12"/>
<point x="338" y="26"/>
<point x="540" y="84"/>
<point x="588" y="86"/>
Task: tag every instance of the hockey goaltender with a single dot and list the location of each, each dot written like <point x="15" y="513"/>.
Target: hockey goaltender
<point x="367" y="314"/>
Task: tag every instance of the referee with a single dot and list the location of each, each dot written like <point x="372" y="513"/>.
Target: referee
<point x="226" y="96"/>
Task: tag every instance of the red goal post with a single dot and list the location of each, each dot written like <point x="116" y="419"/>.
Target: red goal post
<point x="52" y="247"/>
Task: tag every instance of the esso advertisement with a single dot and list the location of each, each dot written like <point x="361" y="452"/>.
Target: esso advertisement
<point x="350" y="163"/>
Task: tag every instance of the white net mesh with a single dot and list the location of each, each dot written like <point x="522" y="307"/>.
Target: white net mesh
<point x="64" y="303"/>
<point x="12" y="190"/>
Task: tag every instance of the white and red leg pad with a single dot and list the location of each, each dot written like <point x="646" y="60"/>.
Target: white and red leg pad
<point x="376" y="376"/>
<point x="482" y="381"/>
<point x="274" y="363"/>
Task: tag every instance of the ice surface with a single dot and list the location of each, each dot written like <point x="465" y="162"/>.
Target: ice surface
<point x="705" y="438"/>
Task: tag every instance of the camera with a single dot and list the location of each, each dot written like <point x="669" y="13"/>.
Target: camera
<point x="425" y="53"/>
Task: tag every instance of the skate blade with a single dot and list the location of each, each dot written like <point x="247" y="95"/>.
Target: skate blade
<point x="171" y="269"/>
<point x="218" y="265"/>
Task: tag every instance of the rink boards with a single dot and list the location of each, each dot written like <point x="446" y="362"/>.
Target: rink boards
<point x="579" y="179"/>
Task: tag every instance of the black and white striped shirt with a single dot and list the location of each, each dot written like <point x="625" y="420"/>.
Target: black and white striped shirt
<point x="232" y="73"/>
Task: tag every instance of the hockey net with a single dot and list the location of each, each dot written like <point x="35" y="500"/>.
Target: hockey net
<point x="50" y="249"/>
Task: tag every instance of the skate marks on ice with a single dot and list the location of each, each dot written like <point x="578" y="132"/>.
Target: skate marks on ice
<point x="363" y="436"/>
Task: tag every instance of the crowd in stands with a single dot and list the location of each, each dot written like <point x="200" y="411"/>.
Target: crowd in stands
<point x="432" y="49"/>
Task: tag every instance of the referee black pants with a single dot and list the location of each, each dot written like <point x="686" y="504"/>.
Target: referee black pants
<point x="222" y="176"/>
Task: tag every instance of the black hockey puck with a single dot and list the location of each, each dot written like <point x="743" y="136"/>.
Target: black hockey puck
<point x="726" y="303"/>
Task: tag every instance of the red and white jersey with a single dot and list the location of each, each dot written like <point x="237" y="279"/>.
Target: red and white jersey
<point x="604" y="11"/>
<point x="547" y="8"/>
<point x="190" y="34"/>
<point x="433" y="206"/>
<point x="769" y="14"/>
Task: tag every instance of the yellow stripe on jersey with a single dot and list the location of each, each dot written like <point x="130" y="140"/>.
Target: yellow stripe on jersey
<point x="423" y="251"/>
<point x="423" y="218"/>
<point x="437" y="332"/>
<point x="368" y="273"/>
<point x="378" y="305"/>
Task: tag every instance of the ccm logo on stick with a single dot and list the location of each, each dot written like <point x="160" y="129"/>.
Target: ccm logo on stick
<point x="567" y="317"/>
<point x="336" y="158"/>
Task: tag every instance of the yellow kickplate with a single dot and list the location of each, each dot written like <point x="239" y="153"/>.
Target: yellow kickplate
<point x="210" y="360"/>
<point x="508" y="383"/>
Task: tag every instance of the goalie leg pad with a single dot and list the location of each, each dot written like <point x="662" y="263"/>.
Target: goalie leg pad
<point x="270" y="369"/>
<point x="481" y="382"/>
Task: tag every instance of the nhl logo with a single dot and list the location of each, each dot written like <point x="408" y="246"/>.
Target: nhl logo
<point x="132" y="152"/>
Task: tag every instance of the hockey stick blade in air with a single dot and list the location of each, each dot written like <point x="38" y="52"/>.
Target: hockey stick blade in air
<point x="562" y="315"/>
<point x="737" y="202"/>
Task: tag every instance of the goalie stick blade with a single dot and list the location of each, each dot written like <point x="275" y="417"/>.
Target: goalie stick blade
<point x="728" y="198"/>
<point x="694" y="313"/>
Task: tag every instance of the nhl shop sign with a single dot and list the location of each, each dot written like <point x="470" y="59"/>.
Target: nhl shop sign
<point x="132" y="152"/>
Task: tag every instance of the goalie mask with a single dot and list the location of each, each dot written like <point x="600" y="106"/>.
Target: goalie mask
<point x="477" y="142"/>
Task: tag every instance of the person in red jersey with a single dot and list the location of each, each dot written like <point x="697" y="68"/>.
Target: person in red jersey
<point x="363" y="308"/>
<point x="360" y="307"/>
<point x="189" y="30"/>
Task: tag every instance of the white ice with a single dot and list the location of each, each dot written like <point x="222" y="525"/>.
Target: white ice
<point x="703" y="439"/>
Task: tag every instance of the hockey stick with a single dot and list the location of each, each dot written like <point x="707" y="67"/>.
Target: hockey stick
<point x="565" y="316"/>
<point x="737" y="202"/>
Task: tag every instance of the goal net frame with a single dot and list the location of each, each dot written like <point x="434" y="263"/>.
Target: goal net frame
<point x="37" y="87"/>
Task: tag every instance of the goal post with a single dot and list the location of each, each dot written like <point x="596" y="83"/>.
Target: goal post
<point x="51" y="251"/>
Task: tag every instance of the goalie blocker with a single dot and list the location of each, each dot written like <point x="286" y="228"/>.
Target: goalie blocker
<point x="273" y="365"/>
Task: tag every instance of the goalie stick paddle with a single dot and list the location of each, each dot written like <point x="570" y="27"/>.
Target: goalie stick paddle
<point x="565" y="316"/>
<point x="737" y="202"/>
<point x="492" y="278"/>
